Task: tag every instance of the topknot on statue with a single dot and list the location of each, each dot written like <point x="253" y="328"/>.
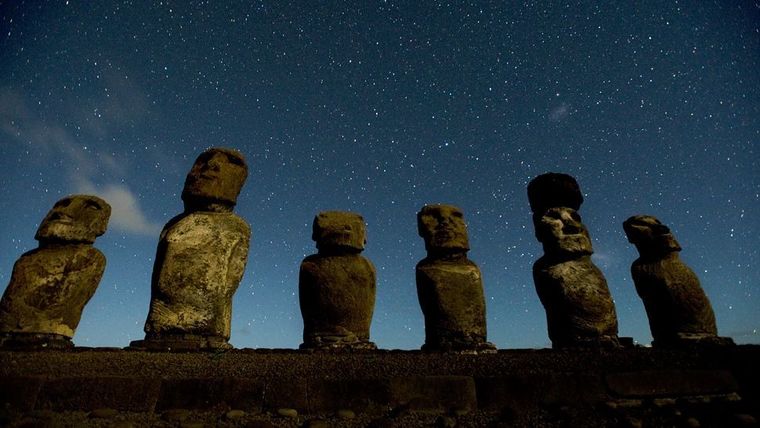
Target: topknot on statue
<point x="554" y="190"/>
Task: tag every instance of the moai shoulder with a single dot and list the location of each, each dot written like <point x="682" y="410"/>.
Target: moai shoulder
<point x="51" y="285"/>
<point x="449" y="285"/>
<point x="678" y="309"/>
<point x="337" y="285"/>
<point x="200" y="259"/>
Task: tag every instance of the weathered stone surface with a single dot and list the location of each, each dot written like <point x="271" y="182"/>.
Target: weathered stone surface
<point x="339" y="230"/>
<point x="579" y="307"/>
<point x="443" y="229"/>
<point x="50" y="285"/>
<point x="337" y="285"/>
<point x="217" y="176"/>
<point x="449" y="285"/>
<point x="679" y="311"/>
<point x="200" y="259"/>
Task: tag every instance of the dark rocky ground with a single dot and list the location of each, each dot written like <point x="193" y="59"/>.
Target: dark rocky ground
<point x="636" y="387"/>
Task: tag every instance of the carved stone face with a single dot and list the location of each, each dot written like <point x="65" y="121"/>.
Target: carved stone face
<point x="443" y="228"/>
<point x="75" y="218"/>
<point x="562" y="232"/>
<point x="217" y="176"/>
<point x="648" y="233"/>
<point x="339" y="230"/>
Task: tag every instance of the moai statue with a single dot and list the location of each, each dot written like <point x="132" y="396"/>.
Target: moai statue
<point x="200" y="259"/>
<point x="449" y="285"/>
<point x="579" y="308"/>
<point x="50" y="285"/>
<point x="336" y="286"/>
<point x="678" y="309"/>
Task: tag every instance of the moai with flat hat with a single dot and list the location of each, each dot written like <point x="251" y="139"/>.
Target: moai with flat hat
<point x="336" y="286"/>
<point x="200" y="259"/>
<point x="449" y="285"/>
<point x="50" y="285"/>
<point x="579" y="307"/>
<point x="678" y="309"/>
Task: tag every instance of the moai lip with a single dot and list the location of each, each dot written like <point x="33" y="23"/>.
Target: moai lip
<point x="50" y="285"/>
<point x="678" y="309"/>
<point x="449" y="285"/>
<point x="337" y="285"/>
<point x="200" y="260"/>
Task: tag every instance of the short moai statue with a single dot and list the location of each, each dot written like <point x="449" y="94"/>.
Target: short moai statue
<point x="336" y="286"/>
<point x="51" y="285"/>
<point x="579" y="307"/>
<point x="678" y="309"/>
<point x="449" y="285"/>
<point x="200" y="259"/>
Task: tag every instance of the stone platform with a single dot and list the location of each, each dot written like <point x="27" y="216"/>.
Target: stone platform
<point x="264" y="388"/>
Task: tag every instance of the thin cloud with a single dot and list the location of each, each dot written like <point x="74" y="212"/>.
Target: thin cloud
<point x="126" y="213"/>
<point x="22" y="126"/>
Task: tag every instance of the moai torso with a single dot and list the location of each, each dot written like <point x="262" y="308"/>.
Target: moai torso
<point x="449" y="285"/>
<point x="51" y="285"/>
<point x="573" y="291"/>
<point x="679" y="312"/>
<point x="337" y="286"/>
<point x="200" y="259"/>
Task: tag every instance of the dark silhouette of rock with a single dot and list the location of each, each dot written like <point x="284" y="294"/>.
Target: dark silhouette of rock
<point x="678" y="309"/>
<point x="552" y="190"/>
<point x="200" y="259"/>
<point x="336" y="286"/>
<point x="449" y="285"/>
<point x="579" y="307"/>
<point x="50" y="285"/>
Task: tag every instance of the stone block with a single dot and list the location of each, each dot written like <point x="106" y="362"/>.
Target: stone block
<point x="86" y="393"/>
<point x="434" y="393"/>
<point x="19" y="393"/>
<point x="287" y="393"/>
<point x="330" y="395"/>
<point x="211" y="393"/>
<point x="671" y="383"/>
<point x="524" y="392"/>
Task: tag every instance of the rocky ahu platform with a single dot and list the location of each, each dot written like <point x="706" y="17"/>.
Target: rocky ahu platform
<point x="262" y="388"/>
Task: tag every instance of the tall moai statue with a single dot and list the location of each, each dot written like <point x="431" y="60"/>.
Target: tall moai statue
<point x="579" y="308"/>
<point x="449" y="285"/>
<point x="51" y="285"/>
<point x="200" y="259"/>
<point x="336" y="286"/>
<point x="678" y="309"/>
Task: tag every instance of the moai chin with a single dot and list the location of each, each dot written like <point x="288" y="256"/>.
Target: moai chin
<point x="336" y="286"/>
<point x="449" y="285"/>
<point x="51" y="285"/>
<point x="678" y="309"/>
<point x="200" y="259"/>
<point x="579" y="308"/>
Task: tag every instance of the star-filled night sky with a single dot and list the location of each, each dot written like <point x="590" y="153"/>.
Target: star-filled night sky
<point x="380" y="107"/>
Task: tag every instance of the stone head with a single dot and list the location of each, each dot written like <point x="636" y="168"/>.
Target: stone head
<point x="75" y="218"/>
<point x="649" y="235"/>
<point x="561" y="231"/>
<point x="443" y="228"/>
<point x="339" y="230"/>
<point x="553" y="190"/>
<point x="217" y="176"/>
